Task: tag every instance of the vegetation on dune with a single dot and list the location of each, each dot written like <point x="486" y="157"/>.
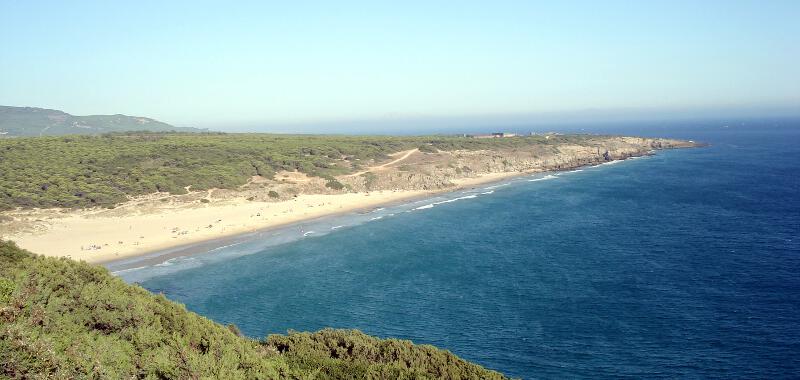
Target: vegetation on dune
<point x="350" y="354"/>
<point x="64" y="319"/>
<point x="426" y="148"/>
<point x="89" y="171"/>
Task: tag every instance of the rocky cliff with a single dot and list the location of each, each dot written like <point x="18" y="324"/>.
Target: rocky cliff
<point x="434" y="171"/>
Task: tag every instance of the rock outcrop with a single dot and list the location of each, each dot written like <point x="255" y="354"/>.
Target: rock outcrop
<point x="435" y="171"/>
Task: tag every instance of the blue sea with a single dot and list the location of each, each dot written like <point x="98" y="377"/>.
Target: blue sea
<point x="685" y="264"/>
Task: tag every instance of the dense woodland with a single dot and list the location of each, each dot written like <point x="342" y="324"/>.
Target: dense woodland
<point x="63" y="319"/>
<point x="90" y="171"/>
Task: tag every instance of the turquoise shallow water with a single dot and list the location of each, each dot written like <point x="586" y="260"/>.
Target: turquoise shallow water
<point x="684" y="264"/>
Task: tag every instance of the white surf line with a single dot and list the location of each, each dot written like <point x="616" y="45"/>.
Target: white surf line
<point x="225" y="246"/>
<point x="431" y="205"/>
<point x="545" y="178"/>
<point x="173" y="260"/>
<point x="129" y="269"/>
<point x="496" y="186"/>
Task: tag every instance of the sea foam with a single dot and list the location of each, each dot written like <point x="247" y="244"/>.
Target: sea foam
<point x="549" y="176"/>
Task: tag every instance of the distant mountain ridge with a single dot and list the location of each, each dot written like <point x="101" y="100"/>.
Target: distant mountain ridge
<point x="32" y="121"/>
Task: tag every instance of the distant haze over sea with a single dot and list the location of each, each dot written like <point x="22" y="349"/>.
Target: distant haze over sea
<point x="590" y="120"/>
<point x="635" y="124"/>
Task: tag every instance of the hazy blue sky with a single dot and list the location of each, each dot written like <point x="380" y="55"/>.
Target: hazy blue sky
<point x="246" y="64"/>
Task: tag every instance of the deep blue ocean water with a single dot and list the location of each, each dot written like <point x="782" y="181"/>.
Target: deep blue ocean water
<point x="685" y="264"/>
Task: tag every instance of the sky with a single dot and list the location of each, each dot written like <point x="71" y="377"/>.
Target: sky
<point x="319" y="66"/>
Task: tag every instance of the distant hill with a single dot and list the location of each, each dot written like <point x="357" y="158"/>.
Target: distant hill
<point x="31" y="121"/>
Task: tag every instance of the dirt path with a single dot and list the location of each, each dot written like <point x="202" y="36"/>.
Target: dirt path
<point x="405" y="155"/>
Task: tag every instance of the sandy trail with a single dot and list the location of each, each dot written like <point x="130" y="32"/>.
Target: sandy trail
<point x="405" y="154"/>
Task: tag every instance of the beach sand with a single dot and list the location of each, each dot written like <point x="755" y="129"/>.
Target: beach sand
<point x="99" y="236"/>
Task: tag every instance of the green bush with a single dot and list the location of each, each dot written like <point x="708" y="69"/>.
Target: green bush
<point x="334" y="184"/>
<point x="351" y="354"/>
<point x="63" y="319"/>
<point x="6" y="288"/>
<point x="426" y="148"/>
<point x="273" y="194"/>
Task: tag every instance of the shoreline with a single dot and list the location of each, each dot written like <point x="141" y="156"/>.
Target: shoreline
<point x="206" y="246"/>
<point x="164" y="228"/>
<point x="65" y="232"/>
<point x="202" y="247"/>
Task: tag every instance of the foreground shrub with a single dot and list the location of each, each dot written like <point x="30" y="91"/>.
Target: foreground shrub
<point x="63" y="319"/>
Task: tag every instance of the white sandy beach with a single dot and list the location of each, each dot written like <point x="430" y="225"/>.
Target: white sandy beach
<point x="98" y="236"/>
